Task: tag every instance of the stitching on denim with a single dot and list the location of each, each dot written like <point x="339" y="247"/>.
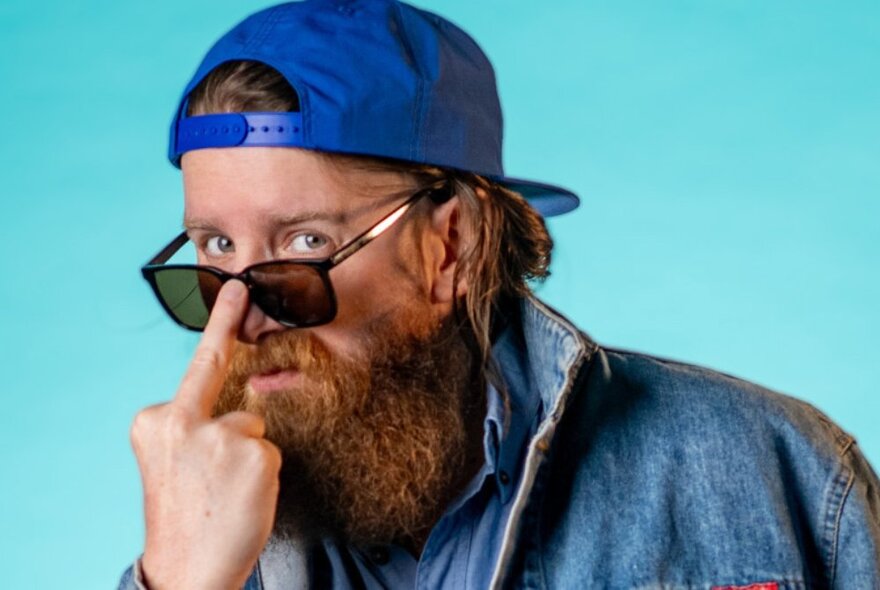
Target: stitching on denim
<point x="842" y="440"/>
<point x="837" y="495"/>
<point x="566" y="335"/>
<point x="579" y="382"/>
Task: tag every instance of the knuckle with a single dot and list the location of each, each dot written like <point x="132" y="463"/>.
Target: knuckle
<point x="218" y="433"/>
<point x="178" y="422"/>
<point x="243" y="422"/>
<point x="255" y="452"/>
<point x="143" y="423"/>
<point x="216" y="444"/>
<point x="223" y="439"/>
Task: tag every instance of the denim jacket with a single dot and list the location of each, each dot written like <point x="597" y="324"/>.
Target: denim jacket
<point x="648" y="473"/>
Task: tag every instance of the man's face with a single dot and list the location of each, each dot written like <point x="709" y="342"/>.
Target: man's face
<point x="369" y="410"/>
<point x="247" y="205"/>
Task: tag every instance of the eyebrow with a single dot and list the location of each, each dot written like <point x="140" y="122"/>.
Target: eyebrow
<point x="279" y="221"/>
<point x="275" y="221"/>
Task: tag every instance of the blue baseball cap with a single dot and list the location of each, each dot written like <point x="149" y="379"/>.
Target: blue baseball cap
<point x="373" y="77"/>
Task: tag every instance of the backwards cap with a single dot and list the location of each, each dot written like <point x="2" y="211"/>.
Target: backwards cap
<point x="373" y="77"/>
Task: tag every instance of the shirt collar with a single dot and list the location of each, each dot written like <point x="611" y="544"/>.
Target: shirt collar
<point x="534" y="354"/>
<point x="506" y="429"/>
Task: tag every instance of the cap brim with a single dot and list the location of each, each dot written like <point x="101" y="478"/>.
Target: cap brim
<point x="548" y="199"/>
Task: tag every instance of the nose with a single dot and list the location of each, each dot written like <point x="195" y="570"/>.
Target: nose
<point x="257" y="325"/>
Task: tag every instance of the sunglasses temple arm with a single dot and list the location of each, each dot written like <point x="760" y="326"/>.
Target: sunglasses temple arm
<point x="371" y="234"/>
<point x="169" y="250"/>
<point x="377" y="230"/>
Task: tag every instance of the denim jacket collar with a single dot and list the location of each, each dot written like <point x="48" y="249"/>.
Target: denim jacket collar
<point x="556" y="351"/>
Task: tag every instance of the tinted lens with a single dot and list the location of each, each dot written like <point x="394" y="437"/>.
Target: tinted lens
<point x="294" y="294"/>
<point x="188" y="294"/>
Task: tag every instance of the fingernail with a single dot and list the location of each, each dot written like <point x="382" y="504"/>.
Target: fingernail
<point x="234" y="291"/>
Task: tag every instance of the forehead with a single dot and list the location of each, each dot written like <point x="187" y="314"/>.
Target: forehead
<point x="225" y="184"/>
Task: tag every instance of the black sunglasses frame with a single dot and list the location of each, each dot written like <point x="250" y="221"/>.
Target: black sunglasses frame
<point x="440" y="192"/>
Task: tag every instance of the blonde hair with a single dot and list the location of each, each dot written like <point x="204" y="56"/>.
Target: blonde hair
<point x="508" y="242"/>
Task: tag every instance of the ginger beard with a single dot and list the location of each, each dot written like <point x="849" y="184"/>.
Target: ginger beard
<point x="372" y="447"/>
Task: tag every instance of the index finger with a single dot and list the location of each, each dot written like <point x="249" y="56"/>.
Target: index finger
<point x="203" y="380"/>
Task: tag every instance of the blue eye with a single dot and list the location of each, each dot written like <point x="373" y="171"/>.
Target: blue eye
<point x="218" y="245"/>
<point x="309" y="243"/>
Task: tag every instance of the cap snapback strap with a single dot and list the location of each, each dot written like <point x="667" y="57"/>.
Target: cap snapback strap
<point x="239" y="129"/>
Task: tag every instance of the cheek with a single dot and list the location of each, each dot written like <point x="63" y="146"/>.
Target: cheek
<point x="375" y="287"/>
<point x="368" y="290"/>
<point x="364" y="294"/>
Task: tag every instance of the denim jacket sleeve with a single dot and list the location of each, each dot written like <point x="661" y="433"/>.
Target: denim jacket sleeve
<point x="856" y="559"/>
<point x="133" y="578"/>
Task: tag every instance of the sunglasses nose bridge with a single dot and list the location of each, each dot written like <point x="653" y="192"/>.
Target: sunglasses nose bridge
<point x="245" y="276"/>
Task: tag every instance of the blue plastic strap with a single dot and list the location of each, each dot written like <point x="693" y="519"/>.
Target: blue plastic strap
<point x="239" y="129"/>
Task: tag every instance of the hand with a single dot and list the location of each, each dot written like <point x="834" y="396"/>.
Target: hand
<point x="210" y="485"/>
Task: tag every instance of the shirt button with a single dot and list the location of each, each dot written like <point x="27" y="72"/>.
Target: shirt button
<point x="379" y="555"/>
<point x="504" y="478"/>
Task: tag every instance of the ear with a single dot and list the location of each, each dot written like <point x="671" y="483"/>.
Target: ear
<point x="446" y="244"/>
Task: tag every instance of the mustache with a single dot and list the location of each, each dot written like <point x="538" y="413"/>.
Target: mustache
<point x="279" y="351"/>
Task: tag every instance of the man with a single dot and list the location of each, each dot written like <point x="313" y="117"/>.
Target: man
<point x="413" y="416"/>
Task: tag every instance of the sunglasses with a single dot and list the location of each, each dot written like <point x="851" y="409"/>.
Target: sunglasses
<point x="296" y="293"/>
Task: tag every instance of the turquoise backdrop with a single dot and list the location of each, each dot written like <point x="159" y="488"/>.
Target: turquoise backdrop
<point x="726" y="152"/>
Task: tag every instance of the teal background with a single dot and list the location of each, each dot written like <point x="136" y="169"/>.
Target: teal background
<point x="726" y="152"/>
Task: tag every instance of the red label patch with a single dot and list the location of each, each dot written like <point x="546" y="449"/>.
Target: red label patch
<point x="761" y="586"/>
